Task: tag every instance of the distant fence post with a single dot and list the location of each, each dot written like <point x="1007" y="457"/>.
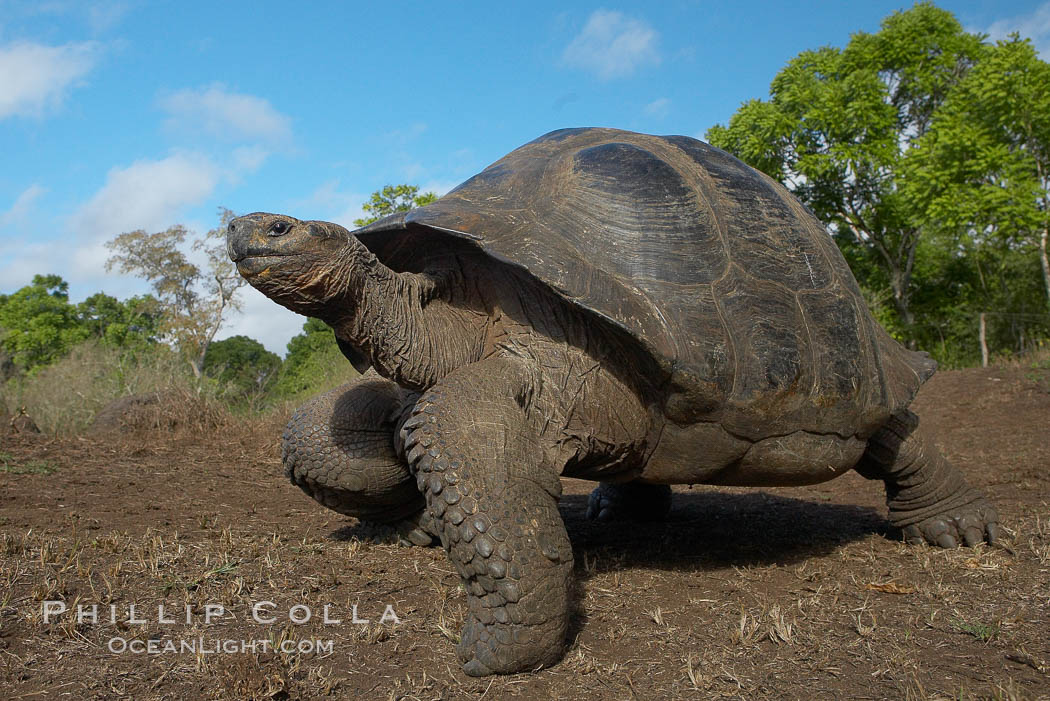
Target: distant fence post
<point x="984" y="343"/>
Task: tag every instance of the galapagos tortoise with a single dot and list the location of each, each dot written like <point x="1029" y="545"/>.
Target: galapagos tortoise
<point x="636" y="310"/>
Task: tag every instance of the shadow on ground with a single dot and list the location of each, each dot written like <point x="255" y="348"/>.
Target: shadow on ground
<point x="705" y="531"/>
<point x="715" y="530"/>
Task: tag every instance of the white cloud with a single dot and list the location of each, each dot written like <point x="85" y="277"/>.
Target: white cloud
<point x="99" y="15"/>
<point x="102" y="16"/>
<point x="227" y="115"/>
<point x="21" y="260"/>
<point x="438" y="187"/>
<point x="21" y="256"/>
<point x="248" y="159"/>
<point x="150" y="195"/>
<point x="1035" y="25"/>
<point x="35" y="77"/>
<point x="146" y="195"/>
<point x="22" y="206"/>
<point x="613" y="45"/>
<point x="330" y="203"/>
<point x="245" y="160"/>
<point x="81" y="263"/>
<point x="658" y="108"/>
<point x="404" y="136"/>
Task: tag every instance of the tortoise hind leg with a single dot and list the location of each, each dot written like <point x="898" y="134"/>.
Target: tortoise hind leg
<point x="629" y="501"/>
<point x="928" y="498"/>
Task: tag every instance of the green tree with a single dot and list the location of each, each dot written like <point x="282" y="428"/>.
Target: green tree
<point x="39" y="324"/>
<point x="242" y="365"/>
<point x="983" y="169"/>
<point x="313" y="362"/>
<point x="316" y="337"/>
<point x="195" y="301"/>
<point x="393" y="198"/>
<point x="979" y="178"/>
<point x="839" y="125"/>
<point x="132" y="322"/>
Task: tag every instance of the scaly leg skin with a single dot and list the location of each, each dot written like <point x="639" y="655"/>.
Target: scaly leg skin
<point x="339" y="449"/>
<point x="474" y="441"/>
<point x="928" y="498"/>
<point x="629" y="501"/>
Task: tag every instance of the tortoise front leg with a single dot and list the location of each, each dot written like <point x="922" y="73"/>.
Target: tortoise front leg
<point x="339" y="448"/>
<point x="474" y="442"/>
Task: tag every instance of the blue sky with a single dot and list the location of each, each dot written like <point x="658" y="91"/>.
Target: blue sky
<point x="116" y="116"/>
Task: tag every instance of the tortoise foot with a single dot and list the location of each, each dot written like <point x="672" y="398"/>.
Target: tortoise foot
<point x="420" y="529"/>
<point x="975" y="523"/>
<point x="928" y="497"/>
<point x="632" y="501"/>
<point x="507" y="648"/>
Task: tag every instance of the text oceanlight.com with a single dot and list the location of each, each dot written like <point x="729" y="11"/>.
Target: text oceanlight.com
<point x="229" y="646"/>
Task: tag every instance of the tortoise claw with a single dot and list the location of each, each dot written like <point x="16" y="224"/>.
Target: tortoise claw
<point x="475" y="668"/>
<point x="913" y="536"/>
<point x="947" y="541"/>
<point x="992" y="530"/>
<point x="418" y="529"/>
<point x="969" y="525"/>
<point x="598" y="509"/>
<point x="972" y="537"/>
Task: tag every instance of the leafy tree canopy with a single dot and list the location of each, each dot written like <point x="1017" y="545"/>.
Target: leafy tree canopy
<point x="135" y="321"/>
<point x="39" y="323"/>
<point x="982" y="171"/>
<point x="393" y="198"/>
<point x="242" y="364"/>
<point x="313" y="361"/>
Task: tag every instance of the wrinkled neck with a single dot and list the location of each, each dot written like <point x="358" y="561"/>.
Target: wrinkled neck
<point x="349" y="281"/>
<point x="406" y="324"/>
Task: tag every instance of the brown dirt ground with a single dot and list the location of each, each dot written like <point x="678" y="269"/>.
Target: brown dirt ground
<point x="777" y="593"/>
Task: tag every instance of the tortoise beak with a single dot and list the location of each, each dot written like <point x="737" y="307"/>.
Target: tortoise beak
<point x="238" y="238"/>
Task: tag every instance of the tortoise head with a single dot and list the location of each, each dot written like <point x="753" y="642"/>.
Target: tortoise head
<point x="301" y="265"/>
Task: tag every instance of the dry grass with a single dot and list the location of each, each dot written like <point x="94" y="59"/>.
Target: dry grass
<point x="64" y="398"/>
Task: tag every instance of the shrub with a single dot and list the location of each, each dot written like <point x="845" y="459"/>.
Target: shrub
<point x="64" y="397"/>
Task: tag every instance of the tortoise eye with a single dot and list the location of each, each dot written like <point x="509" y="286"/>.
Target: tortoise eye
<point x="279" y="228"/>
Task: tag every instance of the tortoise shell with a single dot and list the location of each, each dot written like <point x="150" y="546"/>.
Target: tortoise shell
<point x="732" y="286"/>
